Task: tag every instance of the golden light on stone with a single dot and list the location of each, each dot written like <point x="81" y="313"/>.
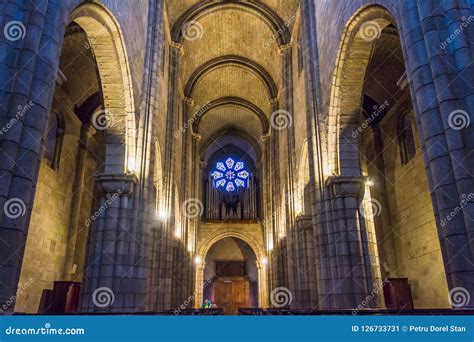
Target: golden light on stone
<point x="131" y="164"/>
<point x="197" y="260"/>
<point x="162" y="215"/>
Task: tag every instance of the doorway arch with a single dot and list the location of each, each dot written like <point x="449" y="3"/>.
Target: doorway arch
<point x="261" y="263"/>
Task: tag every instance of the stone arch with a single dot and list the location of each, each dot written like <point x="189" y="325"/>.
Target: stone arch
<point x="273" y="21"/>
<point x="203" y="248"/>
<point x="238" y="61"/>
<point x="106" y="40"/>
<point x="236" y="233"/>
<point x="230" y="131"/>
<point x="236" y="101"/>
<point x="358" y="39"/>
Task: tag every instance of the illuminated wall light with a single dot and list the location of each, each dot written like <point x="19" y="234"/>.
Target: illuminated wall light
<point x="370" y="182"/>
<point x="264" y="261"/>
<point x="162" y="215"/>
<point x="270" y="245"/>
<point x="198" y="260"/>
<point x="131" y="164"/>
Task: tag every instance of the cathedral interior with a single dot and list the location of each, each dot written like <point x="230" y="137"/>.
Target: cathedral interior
<point x="234" y="156"/>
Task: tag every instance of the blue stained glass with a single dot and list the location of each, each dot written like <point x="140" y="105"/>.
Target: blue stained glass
<point x="230" y="175"/>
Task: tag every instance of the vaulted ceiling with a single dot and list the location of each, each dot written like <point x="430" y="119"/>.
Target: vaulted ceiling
<point x="232" y="50"/>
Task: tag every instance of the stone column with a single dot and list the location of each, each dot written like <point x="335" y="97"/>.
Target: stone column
<point x="350" y="251"/>
<point x="262" y="284"/>
<point x="28" y="67"/>
<point x="440" y="73"/>
<point x="115" y="276"/>
<point x="318" y="157"/>
<point x="199" y="271"/>
<point x="75" y="234"/>
<point x="164" y="272"/>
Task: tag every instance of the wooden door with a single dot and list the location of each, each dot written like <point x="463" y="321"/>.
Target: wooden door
<point x="231" y="294"/>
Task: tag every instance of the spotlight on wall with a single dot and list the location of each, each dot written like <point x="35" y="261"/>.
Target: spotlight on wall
<point x="198" y="260"/>
<point x="370" y="182"/>
<point x="131" y="164"/>
<point x="264" y="261"/>
<point x="162" y="215"/>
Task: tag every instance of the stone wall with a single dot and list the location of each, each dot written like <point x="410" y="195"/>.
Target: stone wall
<point x="408" y="243"/>
<point x="49" y="232"/>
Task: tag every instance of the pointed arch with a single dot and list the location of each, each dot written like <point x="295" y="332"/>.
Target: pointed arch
<point x="357" y="42"/>
<point x="106" y="40"/>
<point x="273" y="21"/>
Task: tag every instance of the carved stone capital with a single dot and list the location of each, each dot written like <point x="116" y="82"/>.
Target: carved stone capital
<point x="116" y="184"/>
<point x="342" y="186"/>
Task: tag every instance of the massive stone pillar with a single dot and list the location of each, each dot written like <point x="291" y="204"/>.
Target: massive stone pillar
<point x="163" y="271"/>
<point x="346" y="272"/>
<point x="115" y="275"/>
<point x="350" y="252"/>
<point x="438" y="55"/>
<point x="77" y="229"/>
<point x="29" y="62"/>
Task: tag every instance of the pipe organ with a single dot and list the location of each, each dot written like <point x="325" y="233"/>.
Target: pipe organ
<point x="236" y="205"/>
